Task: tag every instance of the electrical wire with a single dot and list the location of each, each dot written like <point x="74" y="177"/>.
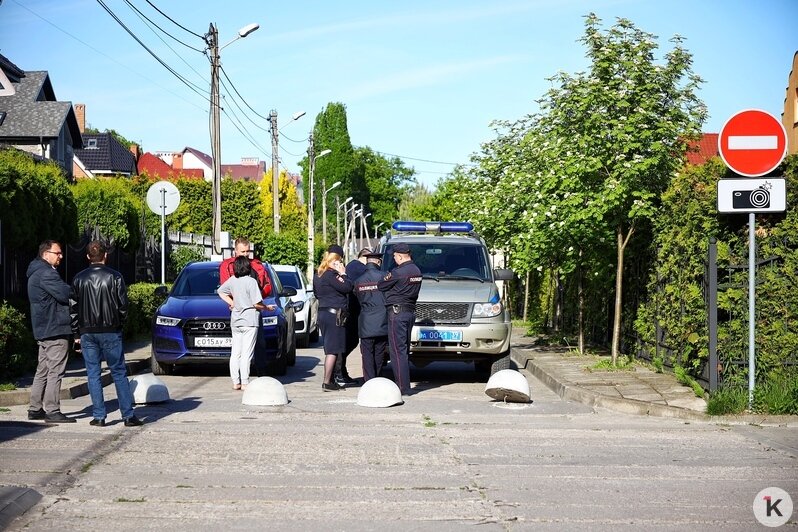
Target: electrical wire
<point x="173" y="21"/>
<point x="291" y="153"/>
<point x="236" y="103"/>
<point x="145" y="17"/>
<point x="239" y="95"/>
<point x="243" y="130"/>
<point x="423" y="160"/>
<point x="90" y="47"/>
<point x="292" y="140"/>
<point x="153" y="54"/>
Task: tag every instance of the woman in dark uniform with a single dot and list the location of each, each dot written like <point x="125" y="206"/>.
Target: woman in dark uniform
<point x="332" y="288"/>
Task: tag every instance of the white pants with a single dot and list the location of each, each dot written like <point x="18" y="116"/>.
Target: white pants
<point x="241" y="353"/>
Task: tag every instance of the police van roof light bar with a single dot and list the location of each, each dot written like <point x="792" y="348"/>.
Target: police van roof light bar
<point x="433" y="227"/>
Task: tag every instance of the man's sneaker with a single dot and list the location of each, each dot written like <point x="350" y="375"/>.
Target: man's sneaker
<point x="349" y="380"/>
<point x="133" y="421"/>
<point x="58" y="417"/>
<point x="332" y="387"/>
<point x="339" y="380"/>
<point x="97" y="422"/>
<point x="36" y="414"/>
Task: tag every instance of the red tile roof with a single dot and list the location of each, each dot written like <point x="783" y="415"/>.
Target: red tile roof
<point x="704" y="149"/>
<point x="155" y="167"/>
<point x="248" y="172"/>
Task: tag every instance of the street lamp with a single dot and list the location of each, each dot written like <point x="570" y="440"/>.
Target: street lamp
<point x="337" y="220"/>
<point x="363" y="228"/>
<point x="212" y="40"/>
<point x="349" y="225"/>
<point x="377" y="231"/>
<point x="311" y="230"/>
<point x="275" y="166"/>
<point x="324" y="208"/>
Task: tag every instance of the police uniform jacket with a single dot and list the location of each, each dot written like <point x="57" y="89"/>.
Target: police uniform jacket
<point x="373" y="320"/>
<point x="332" y="289"/>
<point x="402" y="285"/>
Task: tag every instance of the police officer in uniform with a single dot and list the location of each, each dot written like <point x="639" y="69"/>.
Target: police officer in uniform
<point x="354" y="269"/>
<point x="401" y="287"/>
<point x="372" y="326"/>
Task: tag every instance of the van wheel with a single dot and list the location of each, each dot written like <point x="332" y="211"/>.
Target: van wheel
<point x="159" y="368"/>
<point x="487" y="367"/>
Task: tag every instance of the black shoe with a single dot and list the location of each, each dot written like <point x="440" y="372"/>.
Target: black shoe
<point x="97" y="422"/>
<point x="133" y="421"/>
<point x="58" y="417"/>
<point x="332" y="387"/>
<point x="36" y="414"/>
<point x="339" y="380"/>
<point x="349" y="380"/>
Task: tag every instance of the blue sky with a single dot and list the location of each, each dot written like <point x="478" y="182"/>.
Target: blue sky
<point x="420" y="79"/>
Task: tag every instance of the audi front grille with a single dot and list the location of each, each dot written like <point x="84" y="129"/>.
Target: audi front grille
<point x="219" y="328"/>
<point x="443" y="313"/>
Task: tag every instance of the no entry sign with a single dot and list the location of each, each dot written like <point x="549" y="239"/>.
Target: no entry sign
<point x="752" y="143"/>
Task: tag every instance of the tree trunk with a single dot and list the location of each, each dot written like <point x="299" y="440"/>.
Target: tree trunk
<point x="616" y="326"/>
<point x="580" y="290"/>
<point x="526" y="297"/>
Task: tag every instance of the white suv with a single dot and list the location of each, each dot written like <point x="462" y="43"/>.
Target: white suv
<point x="459" y="312"/>
<point x="306" y="306"/>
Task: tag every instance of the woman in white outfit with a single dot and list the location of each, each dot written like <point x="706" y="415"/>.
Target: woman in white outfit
<point x="243" y="295"/>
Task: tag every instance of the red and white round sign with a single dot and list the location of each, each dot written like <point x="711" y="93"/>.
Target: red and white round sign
<point x="752" y="143"/>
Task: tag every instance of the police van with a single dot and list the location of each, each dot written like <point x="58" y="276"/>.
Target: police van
<point x="459" y="312"/>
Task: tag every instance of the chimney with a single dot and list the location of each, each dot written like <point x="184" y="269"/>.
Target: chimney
<point x="134" y="149"/>
<point x="80" y="114"/>
<point x="177" y="160"/>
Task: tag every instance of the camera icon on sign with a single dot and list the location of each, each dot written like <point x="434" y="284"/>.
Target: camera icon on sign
<point x="758" y="198"/>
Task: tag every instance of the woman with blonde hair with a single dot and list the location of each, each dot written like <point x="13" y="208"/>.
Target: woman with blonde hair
<point x="332" y="288"/>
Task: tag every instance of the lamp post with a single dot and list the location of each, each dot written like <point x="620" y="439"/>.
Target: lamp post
<point x="324" y="209"/>
<point x="337" y="220"/>
<point x="349" y="225"/>
<point x="212" y="40"/>
<point x="311" y="230"/>
<point x="363" y="227"/>
<point x="377" y="231"/>
<point x="275" y="167"/>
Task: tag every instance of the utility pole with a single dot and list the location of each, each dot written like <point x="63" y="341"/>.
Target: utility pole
<point x="311" y="230"/>
<point x="216" y="142"/>
<point x="275" y="172"/>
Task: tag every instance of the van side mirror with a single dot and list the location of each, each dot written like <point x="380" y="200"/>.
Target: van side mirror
<point x="503" y="274"/>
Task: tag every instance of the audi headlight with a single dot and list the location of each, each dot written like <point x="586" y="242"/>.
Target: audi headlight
<point x="269" y="321"/>
<point x="487" y="310"/>
<point x="166" y="320"/>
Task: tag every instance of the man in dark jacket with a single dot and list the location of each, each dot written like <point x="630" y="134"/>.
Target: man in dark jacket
<point x="49" y="316"/>
<point x="373" y="320"/>
<point x="401" y="287"/>
<point x="98" y="310"/>
<point x="354" y="269"/>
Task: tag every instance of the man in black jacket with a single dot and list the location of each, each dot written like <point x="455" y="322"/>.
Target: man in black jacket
<point x="49" y="316"/>
<point x="98" y="310"/>
<point x="373" y="319"/>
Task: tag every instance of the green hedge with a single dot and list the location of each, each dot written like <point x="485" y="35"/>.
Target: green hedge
<point x="17" y="348"/>
<point x="142" y="306"/>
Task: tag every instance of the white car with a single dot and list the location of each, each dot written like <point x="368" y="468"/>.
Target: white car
<point x="306" y="306"/>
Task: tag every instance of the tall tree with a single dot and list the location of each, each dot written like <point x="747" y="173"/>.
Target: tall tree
<point x="386" y="181"/>
<point x="293" y="215"/>
<point x="620" y="130"/>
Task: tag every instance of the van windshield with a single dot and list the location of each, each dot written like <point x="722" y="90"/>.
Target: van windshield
<point x="442" y="260"/>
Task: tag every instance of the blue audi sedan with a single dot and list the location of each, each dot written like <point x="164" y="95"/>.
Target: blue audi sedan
<point x="193" y="325"/>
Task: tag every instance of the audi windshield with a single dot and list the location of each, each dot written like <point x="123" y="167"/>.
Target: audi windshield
<point x="198" y="282"/>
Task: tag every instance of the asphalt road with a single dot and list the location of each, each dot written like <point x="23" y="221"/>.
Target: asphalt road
<point x="447" y="459"/>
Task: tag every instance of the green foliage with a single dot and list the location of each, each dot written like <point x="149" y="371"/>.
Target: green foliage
<point x="195" y="212"/>
<point x="778" y="396"/>
<point x="122" y="140"/>
<point x="683" y="378"/>
<point x="727" y="400"/>
<point x="181" y="256"/>
<point x="17" y="347"/>
<point x="293" y="214"/>
<point x="38" y="196"/>
<point x="386" y="180"/>
<point x="286" y="248"/>
<point x="109" y="205"/>
<point x="142" y="304"/>
<point x="621" y="364"/>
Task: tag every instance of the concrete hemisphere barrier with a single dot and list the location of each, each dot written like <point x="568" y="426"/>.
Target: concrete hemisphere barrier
<point x="264" y="391"/>
<point x="508" y="385"/>
<point x="148" y="388"/>
<point x="379" y="392"/>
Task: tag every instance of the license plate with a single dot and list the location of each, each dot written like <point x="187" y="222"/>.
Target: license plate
<point x="211" y="341"/>
<point x="439" y="335"/>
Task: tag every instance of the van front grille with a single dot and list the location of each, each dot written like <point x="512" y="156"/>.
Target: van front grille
<point x="443" y="313"/>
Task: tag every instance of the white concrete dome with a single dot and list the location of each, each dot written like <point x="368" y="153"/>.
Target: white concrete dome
<point x="379" y="392"/>
<point x="147" y="388"/>
<point x="508" y="385"/>
<point x="264" y="391"/>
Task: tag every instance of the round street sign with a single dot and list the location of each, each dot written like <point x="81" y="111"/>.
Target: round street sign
<point x="752" y="143"/>
<point x="163" y="197"/>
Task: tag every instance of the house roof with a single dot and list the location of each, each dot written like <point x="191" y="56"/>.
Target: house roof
<point x="204" y="157"/>
<point x="32" y="111"/>
<point x="702" y="150"/>
<point x="104" y="154"/>
<point x="244" y="172"/>
<point x="156" y="167"/>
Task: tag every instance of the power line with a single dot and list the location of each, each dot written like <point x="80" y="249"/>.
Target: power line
<point x="173" y="21"/>
<point x="153" y="54"/>
<point x="142" y="15"/>
<point x="292" y="140"/>
<point x="423" y="160"/>
<point x="239" y="95"/>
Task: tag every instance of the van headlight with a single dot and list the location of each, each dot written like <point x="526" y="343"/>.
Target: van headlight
<point x="269" y="321"/>
<point x="166" y="320"/>
<point x="486" y="310"/>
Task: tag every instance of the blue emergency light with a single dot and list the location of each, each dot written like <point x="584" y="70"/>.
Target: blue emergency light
<point x="433" y="227"/>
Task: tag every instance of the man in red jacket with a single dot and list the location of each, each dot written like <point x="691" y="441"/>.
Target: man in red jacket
<point x="242" y="249"/>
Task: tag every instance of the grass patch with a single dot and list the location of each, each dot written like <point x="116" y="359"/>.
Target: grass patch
<point x="85" y="468"/>
<point x="4" y="409"/>
<point x="428" y="422"/>
<point x="183" y="486"/>
<point x="727" y="400"/>
<point x="7" y="386"/>
<point x="124" y="499"/>
<point x="778" y="396"/>
<point x="624" y="363"/>
<point x="687" y="380"/>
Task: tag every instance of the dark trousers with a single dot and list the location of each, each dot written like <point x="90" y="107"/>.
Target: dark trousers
<point x="399" y="327"/>
<point x="372" y="351"/>
<point x="351" y="344"/>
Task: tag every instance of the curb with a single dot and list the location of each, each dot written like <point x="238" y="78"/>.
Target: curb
<point x="21" y="396"/>
<point x="574" y="393"/>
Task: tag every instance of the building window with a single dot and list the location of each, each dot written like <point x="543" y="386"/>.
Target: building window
<point x="91" y="144"/>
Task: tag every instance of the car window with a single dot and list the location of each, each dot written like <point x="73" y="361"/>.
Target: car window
<point x="290" y="279"/>
<point x="197" y="282"/>
<point x="446" y="259"/>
